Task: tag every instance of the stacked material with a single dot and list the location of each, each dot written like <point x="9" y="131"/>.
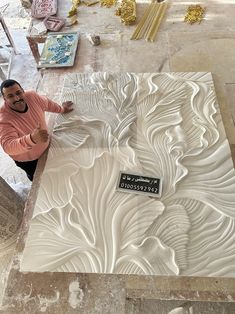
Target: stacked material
<point x="150" y="22"/>
<point x="43" y="8"/>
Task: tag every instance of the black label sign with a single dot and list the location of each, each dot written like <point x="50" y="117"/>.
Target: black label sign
<point x="139" y="184"/>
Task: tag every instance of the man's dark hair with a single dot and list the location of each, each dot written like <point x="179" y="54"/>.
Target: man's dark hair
<point x="8" y="83"/>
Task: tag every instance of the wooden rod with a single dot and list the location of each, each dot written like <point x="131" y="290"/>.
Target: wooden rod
<point x="150" y="19"/>
<point x="153" y="35"/>
<point x="153" y="21"/>
<point x="142" y="21"/>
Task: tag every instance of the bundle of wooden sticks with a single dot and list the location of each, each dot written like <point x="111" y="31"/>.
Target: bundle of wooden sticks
<point x="150" y="22"/>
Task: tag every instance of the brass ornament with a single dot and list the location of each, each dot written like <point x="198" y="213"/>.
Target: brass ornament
<point x="194" y="14"/>
<point x="127" y="12"/>
<point x="90" y="3"/>
<point x="75" y="3"/>
<point x="107" y="3"/>
<point x="73" y="11"/>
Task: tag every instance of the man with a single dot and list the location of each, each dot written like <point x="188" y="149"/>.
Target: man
<point x="23" y="129"/>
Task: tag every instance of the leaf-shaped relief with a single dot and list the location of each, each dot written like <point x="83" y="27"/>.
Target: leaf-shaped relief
<point x="55" y="238"/>
<point x="203" y="108"/>
<point x="204" y="77"/>
<point x="214" y="186"/>
<point x="151" y="257"/>
<point x="200" y="119"/>
<point x="172" y="228"/>
<point x="158" y="154"/>
<point x="86" y="139"/>
<point x="121" y="91"/>
<point x="79" y="142"/>
<point x="211" y="249"/>
<point x="107" y="98"/>
<point x="96" y="226"/>
<point x="54" y="190"/>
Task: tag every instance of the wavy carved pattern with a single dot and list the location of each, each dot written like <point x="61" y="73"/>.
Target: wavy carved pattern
<point x="156" y="124"/>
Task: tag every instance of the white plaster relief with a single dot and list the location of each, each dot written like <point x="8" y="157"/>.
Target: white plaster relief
<point x="162" y="124"/>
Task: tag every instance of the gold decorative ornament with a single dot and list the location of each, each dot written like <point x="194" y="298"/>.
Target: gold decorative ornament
<point x="71" y="20"/>
<point x="194" y="14"/>
<point x="89" y="4"/>
<point x="127" y="12"/>
<point x="75" y="3"/>
<point x="72" y="14"/>
<point x="107" y="3"/>
<point x="73" y="11"/>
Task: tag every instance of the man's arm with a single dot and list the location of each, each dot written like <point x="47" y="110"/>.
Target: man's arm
<point x="12" y="144"/>
<point x="51" y="106"/>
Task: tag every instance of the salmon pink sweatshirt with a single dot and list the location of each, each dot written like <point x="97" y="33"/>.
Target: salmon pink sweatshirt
<point x="15" y="127"/>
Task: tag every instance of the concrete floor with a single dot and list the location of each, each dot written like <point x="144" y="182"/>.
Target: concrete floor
<point x="206" y="47"/>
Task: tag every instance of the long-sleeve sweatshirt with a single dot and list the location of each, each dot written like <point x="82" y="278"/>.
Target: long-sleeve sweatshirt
<point x="16" y="127"/>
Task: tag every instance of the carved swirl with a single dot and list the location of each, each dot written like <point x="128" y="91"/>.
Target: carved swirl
<point x="163" y="125"/>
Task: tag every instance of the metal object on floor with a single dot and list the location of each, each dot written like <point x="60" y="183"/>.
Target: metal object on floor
<point x="12" y="47"/>
<point x="8" y="35"/>
<point x="5" y="63"/>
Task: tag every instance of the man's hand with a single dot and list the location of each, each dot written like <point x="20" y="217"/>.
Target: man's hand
<point x="67" y="106"/>
<point x="39" y="135"/>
